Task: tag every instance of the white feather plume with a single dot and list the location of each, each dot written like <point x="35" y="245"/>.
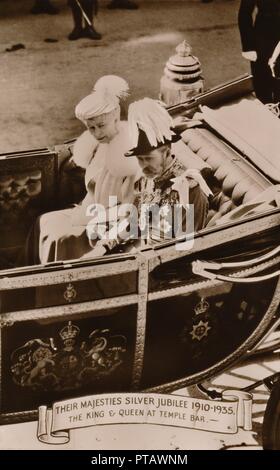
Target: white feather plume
<point x="150" y="116"/>
<point x="113" y="85"/>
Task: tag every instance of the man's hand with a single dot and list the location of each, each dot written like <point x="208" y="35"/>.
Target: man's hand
<point x="250" y="55"/>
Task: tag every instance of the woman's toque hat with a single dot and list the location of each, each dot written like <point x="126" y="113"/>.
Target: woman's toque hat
<point x="105" y="98"/>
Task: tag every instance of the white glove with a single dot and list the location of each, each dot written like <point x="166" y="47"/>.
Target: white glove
<point x="271" y="64"/>
<point x="250" y="55"/>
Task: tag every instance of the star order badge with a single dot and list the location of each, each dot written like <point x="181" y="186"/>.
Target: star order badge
<point x="200" y="330"/>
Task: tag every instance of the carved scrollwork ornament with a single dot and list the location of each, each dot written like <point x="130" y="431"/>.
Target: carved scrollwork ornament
<point x="6" y="323"/>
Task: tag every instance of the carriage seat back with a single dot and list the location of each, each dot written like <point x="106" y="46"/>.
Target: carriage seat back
<point x="239" y="181"/>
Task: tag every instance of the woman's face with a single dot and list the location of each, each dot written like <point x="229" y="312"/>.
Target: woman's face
<point x="104" y="128"/>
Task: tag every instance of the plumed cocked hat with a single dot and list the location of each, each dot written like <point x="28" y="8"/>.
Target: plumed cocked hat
<point x="150" y="127"/>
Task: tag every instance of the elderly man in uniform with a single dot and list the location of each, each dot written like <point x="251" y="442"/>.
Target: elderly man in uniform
<point x="259" y="36"/>
<point x="163" y="180"/>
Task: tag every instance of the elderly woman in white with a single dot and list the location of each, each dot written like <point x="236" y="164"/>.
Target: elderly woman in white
<point x="100" y="150"/>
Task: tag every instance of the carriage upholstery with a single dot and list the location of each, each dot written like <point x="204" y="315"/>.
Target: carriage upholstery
<point x="16" y="191"/>
<point x="239" y="181"/>
<point x="28" y="187"/>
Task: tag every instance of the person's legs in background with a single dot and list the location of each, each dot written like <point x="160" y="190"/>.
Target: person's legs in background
<point x="266" y="87"/>
<point x="263" y="81"/>
<point x="123" y="4"/>
<point x="44" y="6"/>
<point x="89" y="7"/>
<point x="78" y="21"/>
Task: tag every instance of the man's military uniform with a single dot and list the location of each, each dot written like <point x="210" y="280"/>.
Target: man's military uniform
<point x="163" y="192"/>
<point x="261" y="36"/>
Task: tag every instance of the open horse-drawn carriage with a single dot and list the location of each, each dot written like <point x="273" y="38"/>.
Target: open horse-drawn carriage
<point x="161" y="318"/>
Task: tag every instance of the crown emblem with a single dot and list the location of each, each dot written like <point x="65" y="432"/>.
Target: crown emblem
<point x="69" y="332"/>
<point x="201" y="307"/>
<point x="184" y="49"/>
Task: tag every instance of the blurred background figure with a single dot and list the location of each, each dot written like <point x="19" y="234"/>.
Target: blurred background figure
<point x="125" y="4"/>
<point x="44" y="6"/>
<point x="83" y="11"/>
<point x="259" y="25"/>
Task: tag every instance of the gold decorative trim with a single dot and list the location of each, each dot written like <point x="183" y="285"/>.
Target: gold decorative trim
<point x="63" y="310"/>
<point x="143" y="283"/>
<point x="17" y="417"/>
<point x="67" y="274"/>
<point x="210" y="283"/>
<point x="214" y="237"/>
<point x="186" y="289"/>
<point x="5" y="323"/>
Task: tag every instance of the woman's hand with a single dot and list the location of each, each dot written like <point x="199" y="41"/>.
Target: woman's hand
<point x="250" y="55"/>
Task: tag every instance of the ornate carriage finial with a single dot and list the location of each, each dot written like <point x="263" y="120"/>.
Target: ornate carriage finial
<point x="184" y="49"/>
<point x="182" y="76"/>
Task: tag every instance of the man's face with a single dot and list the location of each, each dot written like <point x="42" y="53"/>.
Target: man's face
<point x="153" y="163"/>
<point x="104" y="127"/>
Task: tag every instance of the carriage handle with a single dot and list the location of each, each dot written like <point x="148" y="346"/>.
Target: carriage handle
<point x="214" y="266"/>
<point x="237" y="280"/>
<point x="203" y="268"/>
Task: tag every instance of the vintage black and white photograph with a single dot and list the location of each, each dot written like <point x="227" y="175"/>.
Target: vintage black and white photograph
<point x="139" y="225"/>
